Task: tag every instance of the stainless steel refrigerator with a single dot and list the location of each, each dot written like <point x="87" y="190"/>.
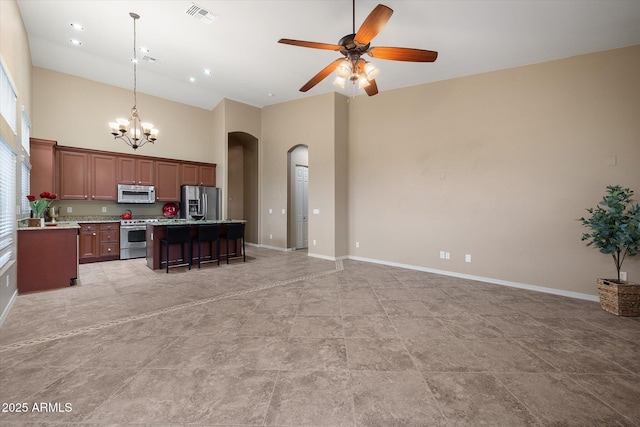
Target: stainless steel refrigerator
<point x="200" y="200"/>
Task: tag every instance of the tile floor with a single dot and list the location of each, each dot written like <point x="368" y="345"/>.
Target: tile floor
<point x="290" y="340"/>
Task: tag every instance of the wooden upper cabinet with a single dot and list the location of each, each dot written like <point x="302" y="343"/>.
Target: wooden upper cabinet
<point x="167" y="181"/>
<point x="136" y="171"/>
<point x="190" y="174"/>
<point x="207" y="175"/>
<point x="84" y="176"/>
<point x="103" y="178"/>
<point x="73" y="174"/>
<point x="43" y="160"/>
<point x="194" y="174"/>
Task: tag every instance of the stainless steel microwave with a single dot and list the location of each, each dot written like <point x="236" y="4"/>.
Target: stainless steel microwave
<point x="136" y="193"/>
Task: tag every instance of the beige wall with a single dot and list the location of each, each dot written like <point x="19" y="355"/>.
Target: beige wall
<point x="499" y="166"/>
<point x="311" y="122"/>
<point x="76" y="112"/>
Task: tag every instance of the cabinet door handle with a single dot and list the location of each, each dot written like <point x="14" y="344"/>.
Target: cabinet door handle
<point x="85" y="196"/>
<point x="94" y="234"/>
<point x="108" y="249"/>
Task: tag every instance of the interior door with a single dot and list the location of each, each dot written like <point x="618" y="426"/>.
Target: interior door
<point x="302" y="207"/>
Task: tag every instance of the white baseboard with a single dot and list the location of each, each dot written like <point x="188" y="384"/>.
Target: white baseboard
<point x="275" y="248"/>
<point x="553" y="291"/>
<point x="5" y="313"/>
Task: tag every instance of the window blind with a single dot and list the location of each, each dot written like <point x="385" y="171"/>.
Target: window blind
<point x="25" y="188"/>
<point x="25" y="132"/>
<point x="8" y="99"/>
<point x="7" y="202"/>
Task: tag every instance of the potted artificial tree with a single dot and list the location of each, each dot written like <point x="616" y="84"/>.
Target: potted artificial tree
<point x="614" y="228"/>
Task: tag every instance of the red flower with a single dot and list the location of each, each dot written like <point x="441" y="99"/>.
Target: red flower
<point x="31" y="198"/>
<point x="44" y="195"/>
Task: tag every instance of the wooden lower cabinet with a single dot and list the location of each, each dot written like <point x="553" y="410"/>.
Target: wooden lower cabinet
<point x="47" y="259"/>
<point x="99" y="241"/>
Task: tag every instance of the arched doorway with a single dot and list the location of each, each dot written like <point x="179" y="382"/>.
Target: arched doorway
<point x="297" y="197"/>
<point x="242" y="181"/>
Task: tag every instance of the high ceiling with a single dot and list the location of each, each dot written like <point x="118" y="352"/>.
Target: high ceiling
<point x="248" y="65"/>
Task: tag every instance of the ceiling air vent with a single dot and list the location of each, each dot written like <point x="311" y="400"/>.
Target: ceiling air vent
<point x="201" y="14"/>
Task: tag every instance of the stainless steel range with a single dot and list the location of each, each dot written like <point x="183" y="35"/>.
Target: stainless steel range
<point x="133" y="240"/>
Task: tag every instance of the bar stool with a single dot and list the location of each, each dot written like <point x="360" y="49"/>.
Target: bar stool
<point x="177" y="234"/>
<point x="209" y="233"/>
<point x="234" y="232"/>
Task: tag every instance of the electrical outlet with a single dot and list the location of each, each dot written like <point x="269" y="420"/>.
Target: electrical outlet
<point x="104" y="209"/>
<point x="284" y="211"/>
<point x="314" y="242"/>
<point x="441" y="254"/>
<point x="467" y="258"/>
<point x="316" y="211"/>
<point x="270" y="210"/>
<point x="623" y="275"/>
<point x="447" y="255"/>
<point x="69" y="209"/>
<point x="270" y="236"/>
<point x="357" y="244"/>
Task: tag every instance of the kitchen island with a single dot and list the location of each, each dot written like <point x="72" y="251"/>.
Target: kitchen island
<point x="47" y="256"/>
<point x="158" y="231"/>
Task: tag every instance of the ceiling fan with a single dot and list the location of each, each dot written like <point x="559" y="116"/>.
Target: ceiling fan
<point x="352" y="67"/>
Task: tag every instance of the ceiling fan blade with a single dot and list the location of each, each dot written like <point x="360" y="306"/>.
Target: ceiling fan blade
<point x="374" y="23"/>
<point x="372" y="89"/>
<point x="313" y="45"/>
<point x="403" y="54"/>
<point x="321" y="75"/>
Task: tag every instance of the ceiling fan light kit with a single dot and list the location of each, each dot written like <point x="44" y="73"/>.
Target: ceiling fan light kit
<point x="353" y="46"/>
<point x="134" y="132"/>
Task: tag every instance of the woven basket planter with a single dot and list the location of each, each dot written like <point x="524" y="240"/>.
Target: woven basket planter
<point x="619" y="299"/>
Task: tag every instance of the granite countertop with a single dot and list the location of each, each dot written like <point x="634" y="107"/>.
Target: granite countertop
<point x="59" y="225"/>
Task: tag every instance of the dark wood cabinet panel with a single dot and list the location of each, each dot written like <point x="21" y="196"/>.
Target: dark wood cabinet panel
<point x="88" y="242"/>
<point x="126" y="170"/>
<point x="99" y="242"/>
<point x="207" y="175"/>
<point x="190" y="174"/>
<point x="135" y="171"/>
<point x="145" y="172"/>
<point x="73" y="171"/>
<point x="103" y="178"/>
<point x="42" y="158"/>
<point x="167" y="181"/>
<point x="195" y="174"/>
<point x="47" y="259"/>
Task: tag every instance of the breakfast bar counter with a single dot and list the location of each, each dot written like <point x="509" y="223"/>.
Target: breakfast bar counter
<point x="158" y="231"/>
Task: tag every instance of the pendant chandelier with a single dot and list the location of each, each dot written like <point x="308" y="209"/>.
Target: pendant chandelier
<point x="134" y="132"/>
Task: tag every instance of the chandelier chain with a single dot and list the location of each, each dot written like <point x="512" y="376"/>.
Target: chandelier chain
<point x="135" y="68"/>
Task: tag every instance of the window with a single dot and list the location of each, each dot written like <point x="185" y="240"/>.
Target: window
<point x="26" y="132"/>
<point x="7" y="202"/>
<point x="26" y="178"/>
<point x="8" y="98"/>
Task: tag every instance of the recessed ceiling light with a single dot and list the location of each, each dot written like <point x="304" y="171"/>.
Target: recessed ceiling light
<point x="192" y="79"/>
<point x="207" y="71"/>
<point x="271" y="94"/>
<point x="75" y="42"/>
<point x="77" y="26"/>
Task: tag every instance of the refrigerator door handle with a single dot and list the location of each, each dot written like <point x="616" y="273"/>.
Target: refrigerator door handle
<point x="205" y="211"/>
